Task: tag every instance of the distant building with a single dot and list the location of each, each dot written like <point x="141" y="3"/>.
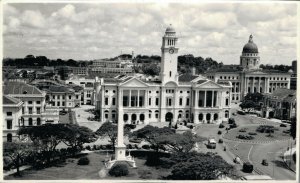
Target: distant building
<point x="64" y="97"/>
<point x="280" y="104"/>
<point x="81" y="71"/>
<point x="11" y="113"/>
<point x="87" y="83"/>
<point x="248" y="77"/>
<point x="112" y="66"/>
<point x="35" y="110"/>
<point x="294" y="66"/>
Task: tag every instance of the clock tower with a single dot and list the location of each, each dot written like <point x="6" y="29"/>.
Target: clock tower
<point x="169" y="53"/>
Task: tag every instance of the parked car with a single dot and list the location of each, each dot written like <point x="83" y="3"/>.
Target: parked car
<point x="211" y="144"/>
<point x="264" y="162"/>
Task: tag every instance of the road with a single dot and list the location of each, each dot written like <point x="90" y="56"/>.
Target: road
<point x="273" y="152"/>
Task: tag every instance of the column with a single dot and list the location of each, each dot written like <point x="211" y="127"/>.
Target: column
<point x="258" y="84"/>
<point x="246" y="85"/>
<point x="196" y="117"/>
<point x="146" y="99"/>
<point x="253" y="81"/>
<point x="138" y="99"/>
<point x="129" y="98"/>
<point x="205" y="98"/>
<point x="217" y="100"/>
<point x="204" y="117"/>
<point x="120" y="147"/>
<point x="196" y="98"/>
<point x="212" y="100"/>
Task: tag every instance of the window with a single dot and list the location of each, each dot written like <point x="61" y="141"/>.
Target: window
<point x="53" y="96"/>
<point x="170" y="73"/>
<point x="157" y="91"/>
<point x="188" y="91"/>
<point x="63" y="97"/>
<point x="125" y="101"/>
<point x="227" y="102"/>
<point x="187" y="115"/>
<point x="180" y="91"/>
<point x="106" y="100"/>
<point x="58" y="96"/>
<point x="180" y="101"/>
<point x="30" y="110"/>
<point x="187" y="101"/>
<point x="9" y="124"/>
<point x="38" y="102"/>
<point x="114" y="101"/>
<point x="106" y="91"/>
<point x="38" y="110"/>
<point x="77" y="96"/>
<point x="149" y="101"/>
<point x="221" y="77"/>
<point x="70" y="96"/>
<point x="156" y="114"/>
<point x="149" y="91"/>
<point x="29" y="102"/>
<point x="106" y="116"/>
<point x="169" y="102"/>
<point x="58" y="103"/>
<point x="9" y="113"/>
<point x="157" y="101"/>
<point x="63" y="103"/>
<point x="30" y="121"/>
<point x="114" y="91"/>
<point x="23" y="110"/>
<point x="38" y="121"/>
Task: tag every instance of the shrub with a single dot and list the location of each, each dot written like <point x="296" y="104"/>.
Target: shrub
<point x="243" y="130"/>
<point x="245" y="137"/>
<point x="252" y="133"/>
<point x="129" y="146"/>
<point x="265" y="129"/>
<point x="286" y="131"/>
<point x="282" y="125"/>
<point x="146" y="146"/>
<point x="220" y="141"/>
<point x="231" y="120"/>
<point x="135" y="140"/>
<point x="233" y="125"/>
<point x="191" y="127"/>
<point x="219" y="132"/>
<point x="152" y="159"/>
<point x="83" y="161"/>
<point x="88" y="147"/>
<point x="221" y="126"/>
<point x="131" y="126"/>
<point x="247" y="167"/>
<point x="119" y="170"/>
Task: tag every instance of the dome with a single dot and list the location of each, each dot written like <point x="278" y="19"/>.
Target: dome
<point x="170" y="29"/>
<point x="290" y="71"/>
<point x="250" y="47"/>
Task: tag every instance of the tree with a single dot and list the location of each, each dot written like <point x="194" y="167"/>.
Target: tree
<point x="75" y="136"/>
<point x="110" y="130"/>
<point x="152" y="134"/>
<point x="180" y="143"/>
<point x="45" y="137"/>
<point x="255" y="97"/>
<point x="200" y="167"/>
<point x="17" y="151"/>
<point x="248" y="104"/>
<point x="152" y="70"/>
<point x="293" y="128"/>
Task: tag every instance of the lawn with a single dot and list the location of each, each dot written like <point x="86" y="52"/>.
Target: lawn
<point x="71" y="171"/>
<point x="260" y="137"/>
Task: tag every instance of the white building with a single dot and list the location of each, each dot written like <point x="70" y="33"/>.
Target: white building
<point x="35" y="111"/>
<point x="87" y="94"/>
<point x="248" y="77"/>
<point x="12" y="113"/>
<point x="174" y="98"/>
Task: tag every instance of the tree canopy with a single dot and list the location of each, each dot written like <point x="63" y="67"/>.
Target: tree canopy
<point x="197" y="166"/>
<point x="110" y="130"/>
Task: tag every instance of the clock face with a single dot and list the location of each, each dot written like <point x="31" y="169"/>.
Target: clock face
<point x="171" y="51"/>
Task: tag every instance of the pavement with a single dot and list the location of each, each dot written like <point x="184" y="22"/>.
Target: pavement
<point x="82" y="116"/>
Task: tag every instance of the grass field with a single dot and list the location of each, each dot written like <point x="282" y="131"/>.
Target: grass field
<point x="71" y="171"/>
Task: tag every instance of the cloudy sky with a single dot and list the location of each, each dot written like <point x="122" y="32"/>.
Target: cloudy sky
<point x="92" y="30"/>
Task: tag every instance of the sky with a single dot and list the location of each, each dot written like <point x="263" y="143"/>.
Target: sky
<point x="88" y="31"/>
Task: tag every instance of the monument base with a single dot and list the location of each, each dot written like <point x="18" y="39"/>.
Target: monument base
<point x="128" y="159"/>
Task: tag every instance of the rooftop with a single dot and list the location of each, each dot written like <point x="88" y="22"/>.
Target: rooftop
<point x="20" y="88"/>
<point x="186" y="77"/>
<point x="10" y="100"/>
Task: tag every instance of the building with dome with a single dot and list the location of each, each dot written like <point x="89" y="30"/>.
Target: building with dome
<point x="172" y="98"/>
<point x="248" y="77"/>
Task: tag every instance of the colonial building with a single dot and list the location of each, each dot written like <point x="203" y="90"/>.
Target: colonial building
<point x="248" y="77"/>
<point x="35" y="110"/>
<point x="12" y="113"/>
<point x="173" y="98"/>
<point x="280" y="104"/>
<point x="112" y="66"/>
<point x="87" y="94"/>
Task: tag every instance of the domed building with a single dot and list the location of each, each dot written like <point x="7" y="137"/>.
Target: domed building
<point x="248" y="77"/>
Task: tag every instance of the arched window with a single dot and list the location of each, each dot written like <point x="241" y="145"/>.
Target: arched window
<point x="216" y="116"/>
<point x="226" y="114"/>
<point x="150" y="113"/>
<point x="142" y="117"/>
<point x="38" y="121"/>
<point x="200" y="117"/>
<point x="30" y="121"/>
<point x="156" y="114"/>
<point x="125" y="117"/>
